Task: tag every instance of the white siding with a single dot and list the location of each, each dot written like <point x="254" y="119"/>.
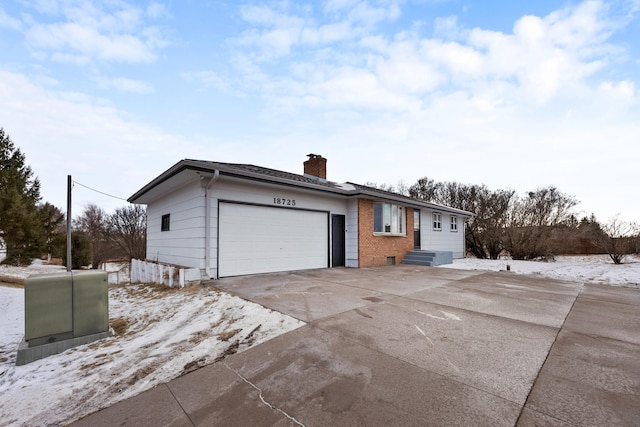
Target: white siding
<point x="445" y="239"/>
<point x="351" y="225"/>
<point x="183" y="244"/>
<point x="258" y="193"/>
<point x="264" y="194"/>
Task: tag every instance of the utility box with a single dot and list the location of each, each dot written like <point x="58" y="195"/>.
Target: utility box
<point x="48" y="308"/>
<point x="63" y="310"/>
<point x="90" y="303"/>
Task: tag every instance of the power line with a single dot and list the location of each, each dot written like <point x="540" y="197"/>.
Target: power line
<point x="98" y="191"/>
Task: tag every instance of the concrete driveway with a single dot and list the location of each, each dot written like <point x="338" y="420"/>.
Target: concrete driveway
<point x="407" y="345"/>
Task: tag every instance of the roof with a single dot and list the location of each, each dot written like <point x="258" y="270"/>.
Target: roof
<point x="259" y="173"/>
<point x="363" y="190"/>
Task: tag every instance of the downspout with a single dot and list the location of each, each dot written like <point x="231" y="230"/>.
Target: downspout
<point x="207" y="225"/>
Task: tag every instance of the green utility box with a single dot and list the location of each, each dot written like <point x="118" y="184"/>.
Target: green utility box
<point x="63" y="306"/>
<point x="48" y="308"/>
<point x="90" y="303"/>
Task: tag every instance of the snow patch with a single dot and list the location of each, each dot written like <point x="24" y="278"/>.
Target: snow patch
<point x="160" y="334"/>
<point x="595" y="269"/>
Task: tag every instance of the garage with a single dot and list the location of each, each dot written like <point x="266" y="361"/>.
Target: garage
<point x="256" y="239"/>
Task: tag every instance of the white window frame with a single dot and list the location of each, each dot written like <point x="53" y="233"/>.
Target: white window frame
<point x="393" y="221"/>
<point x="454" y="223"/>
<point x="437" y="221"/>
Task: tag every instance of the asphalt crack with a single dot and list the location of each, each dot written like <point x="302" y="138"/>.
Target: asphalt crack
<point x="262" y="399"/>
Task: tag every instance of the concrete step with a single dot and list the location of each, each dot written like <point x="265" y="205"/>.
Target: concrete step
<point x="428" y="258"/>
<point x="416" y="262"/>
<point x="419" y="258"/>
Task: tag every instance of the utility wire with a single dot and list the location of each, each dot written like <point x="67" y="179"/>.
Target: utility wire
<point x="98" y="191"/>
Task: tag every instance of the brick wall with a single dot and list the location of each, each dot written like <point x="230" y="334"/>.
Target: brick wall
<point x="374" y="250"/>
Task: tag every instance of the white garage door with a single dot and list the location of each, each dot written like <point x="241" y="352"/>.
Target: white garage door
<point x="259" y="239"/>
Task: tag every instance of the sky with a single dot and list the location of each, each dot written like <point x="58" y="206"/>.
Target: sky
<point x="514" y="95"/>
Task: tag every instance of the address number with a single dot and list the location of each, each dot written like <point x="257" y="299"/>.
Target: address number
<point x="283" y="201"/>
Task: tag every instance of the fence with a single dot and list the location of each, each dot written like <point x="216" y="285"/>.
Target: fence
<point x="117" y="272"/>
<point x="168" y="275"/>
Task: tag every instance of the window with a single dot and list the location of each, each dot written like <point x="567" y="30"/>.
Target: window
<point x="437" y="221"/>
<point x="166" y="221"/>
<point x="454" y="223"/>
<point x="388" y="219"/>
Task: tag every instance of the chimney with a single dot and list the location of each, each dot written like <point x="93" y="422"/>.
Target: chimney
<point x="316" y="166"/>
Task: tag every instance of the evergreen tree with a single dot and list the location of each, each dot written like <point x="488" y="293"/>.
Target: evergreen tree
<point x="80" y="251"/>
<point x="20" y="223"/>
<point x="53" y="222"/>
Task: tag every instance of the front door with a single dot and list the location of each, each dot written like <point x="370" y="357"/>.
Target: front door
<point x="416" y="229"/>
<point x="337" y="241"/>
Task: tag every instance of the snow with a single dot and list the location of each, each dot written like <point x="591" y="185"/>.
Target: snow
<point x="595" y="269"/>
<point x="164" y="332"/>
<point x="8" y="272"/>
<point x="167" y="332"/>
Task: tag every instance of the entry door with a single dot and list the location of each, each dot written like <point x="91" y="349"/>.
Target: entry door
<point x="337" y="240"/>
<point x="416" y="229"/>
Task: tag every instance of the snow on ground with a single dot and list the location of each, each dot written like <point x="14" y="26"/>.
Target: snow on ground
<point x="160" y="333"/>
<point x="117" y="272"/>
<point x="597" y="269"/>
<point x="9" y="272"/>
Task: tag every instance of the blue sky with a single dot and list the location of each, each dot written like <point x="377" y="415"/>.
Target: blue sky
<point x="514" y="95"/>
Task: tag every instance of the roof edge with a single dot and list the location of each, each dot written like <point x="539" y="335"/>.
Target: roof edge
<point x="347" y="189"/>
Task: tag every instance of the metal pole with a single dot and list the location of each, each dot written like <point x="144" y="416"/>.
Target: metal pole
<point x="69" y="223"/>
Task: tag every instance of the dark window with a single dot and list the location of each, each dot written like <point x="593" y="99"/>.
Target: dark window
<point x="166" y="221"/>
<point x="377" y="218"/>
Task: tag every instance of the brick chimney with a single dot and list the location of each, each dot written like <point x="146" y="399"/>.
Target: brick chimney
<point x="316" y="166"/>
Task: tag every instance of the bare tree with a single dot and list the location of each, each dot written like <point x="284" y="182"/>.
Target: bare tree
<point x="128" y="231"/>
<point x="531" y="222"/>
<point x="617" y="238"/>
<point x="93" y="223"/>
<point x="483" y="232"/>
<point x="402" y="188"/>
<point x="383" y="186"/>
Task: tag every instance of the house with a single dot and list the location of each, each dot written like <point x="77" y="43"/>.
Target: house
<point x="235" y="219"/>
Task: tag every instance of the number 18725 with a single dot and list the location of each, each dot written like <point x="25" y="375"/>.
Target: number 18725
<point x="283" y="201"/>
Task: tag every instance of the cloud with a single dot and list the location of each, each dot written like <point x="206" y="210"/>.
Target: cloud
<point x="7" y="21"/>
<point x="521" y="107"/>
<point x="447" y="28"/>
<point x="210" y="79"/>
<point x="125" y="85"/>
<point x="543" y="103"/>
<point x="542" y="59"/>
<point x="368" y="13"/>
<point x="70" y="133"/>
<point x="157" y="10"/>
<point x="278" y="28"/>
<point x="83" y="32"/>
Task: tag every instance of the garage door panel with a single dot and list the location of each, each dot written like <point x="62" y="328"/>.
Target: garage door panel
<point x="259" y="239"/>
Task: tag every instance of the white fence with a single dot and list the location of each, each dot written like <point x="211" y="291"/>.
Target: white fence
<point x="117" y="272"/>
<point x="169" y="275"/>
